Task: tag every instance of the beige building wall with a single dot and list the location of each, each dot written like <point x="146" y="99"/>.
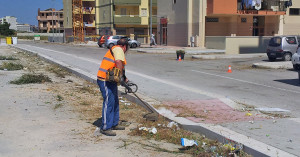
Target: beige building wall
<point x="291" y="23"/>
<point x="185" y="19"/>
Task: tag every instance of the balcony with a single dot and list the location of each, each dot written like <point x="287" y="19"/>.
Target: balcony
<point x="88" y="11"/>
<point x="127" y="2"/>
<point x="127" y="19"/>
<point x="233" y="7"/>
<point x="42" y="18"/>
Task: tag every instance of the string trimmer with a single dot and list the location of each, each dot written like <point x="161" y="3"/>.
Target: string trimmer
<point x="132" y="88"/>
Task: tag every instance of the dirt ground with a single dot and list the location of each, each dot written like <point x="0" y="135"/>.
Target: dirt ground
<point x="56" y="118"/>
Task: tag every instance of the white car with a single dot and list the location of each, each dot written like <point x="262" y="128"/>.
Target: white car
<point x="296" y="60"/>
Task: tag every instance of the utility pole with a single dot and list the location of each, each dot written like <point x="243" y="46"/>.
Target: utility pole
<point x="150" y="31"/>
<point x="52" y="21"/>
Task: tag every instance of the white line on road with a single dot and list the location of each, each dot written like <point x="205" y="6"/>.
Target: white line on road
<point x="253" y="83"/>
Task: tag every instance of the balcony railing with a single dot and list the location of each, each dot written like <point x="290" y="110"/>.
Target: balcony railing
<point x="267" y="7"/>
<point x="127" y="19"/>
<point x="127" y="2"/>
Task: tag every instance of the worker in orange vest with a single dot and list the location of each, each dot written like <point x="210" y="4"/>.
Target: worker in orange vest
<point x="110" y="74"/>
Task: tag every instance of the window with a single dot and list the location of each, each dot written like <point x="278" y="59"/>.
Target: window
<point x="123" y="11"/>
<point x="43" y="14"/>
<point x="275" y="42"/>
<point x="174" y="1"/>
<point x="294" y="11"/>
<point x="291" y="40"/>
<point x="116" y="37"/>
<point x="61" y="15"/>
<point x="244" y="20"/>
<point x="212" y="20"/>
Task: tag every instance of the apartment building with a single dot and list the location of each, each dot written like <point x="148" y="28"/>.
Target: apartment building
<point x="50" y="20"/>
<point x="181" y="20"/>
<point x="126" y="17"/>
<point x="11" y="20"/>
<point x="24" y="28"/>
<point x="88" y="16"/>
<point x="290" y="23"/>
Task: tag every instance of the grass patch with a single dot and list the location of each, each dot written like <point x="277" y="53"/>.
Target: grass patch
<point x="86" y="103"/>
<point x="59" y="72"/>
<point x="59" y="98"/>
<point x="11" y="66"/>
<point x="7" y="58"/>
<point x="31" y="78"/>
<point x="57" y="106"/>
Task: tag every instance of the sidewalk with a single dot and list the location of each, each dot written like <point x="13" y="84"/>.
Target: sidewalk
<point x="211" y="54"/>
<point x="224" y="132"/>
<point x="172" y="49"/>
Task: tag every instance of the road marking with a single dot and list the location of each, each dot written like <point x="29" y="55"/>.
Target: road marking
<point x="72" y="55"/>
<point x="244" y="81"/>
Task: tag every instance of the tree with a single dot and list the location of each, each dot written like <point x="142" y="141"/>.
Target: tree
<point x="5" y="31"/>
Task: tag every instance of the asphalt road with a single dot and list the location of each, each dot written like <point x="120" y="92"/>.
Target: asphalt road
<point x="163" y="78"/>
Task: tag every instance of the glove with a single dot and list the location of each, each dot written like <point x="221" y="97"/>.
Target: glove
<point x="124" y="84"/>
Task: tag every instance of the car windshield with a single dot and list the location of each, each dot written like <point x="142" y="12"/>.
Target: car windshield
<point x="275" y="41"/>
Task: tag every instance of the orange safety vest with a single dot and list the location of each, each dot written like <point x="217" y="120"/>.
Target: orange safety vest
<point x="107" y="63"/>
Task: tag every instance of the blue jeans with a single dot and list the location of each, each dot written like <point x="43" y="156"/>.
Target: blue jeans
<point x="110" y="109"/>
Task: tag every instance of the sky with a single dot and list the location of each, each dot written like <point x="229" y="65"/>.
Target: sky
<point x="26" y="10"/>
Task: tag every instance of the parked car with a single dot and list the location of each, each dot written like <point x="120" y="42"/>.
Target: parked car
<point x="296" y="60"/>
<point x="112" y="41"/>
<point x="133" y="43"/>
<point x="101" y="40"/>
<point x="282" y="47"/>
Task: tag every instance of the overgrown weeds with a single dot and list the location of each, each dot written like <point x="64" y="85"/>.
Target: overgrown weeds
<point x="31" y="78"/>
<point x="9" y="66"/>
<point x="7" y="58"/>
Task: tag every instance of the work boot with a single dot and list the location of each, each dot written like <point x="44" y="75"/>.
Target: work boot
<point x="118" y="127"/>
<point x="108" y="132"/>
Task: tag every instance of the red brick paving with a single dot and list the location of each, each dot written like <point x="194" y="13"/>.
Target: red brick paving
<point x="212" y="111"/>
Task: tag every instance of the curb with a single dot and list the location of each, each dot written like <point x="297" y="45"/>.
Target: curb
<point x="214" y="132"/>
<point x="274" y="65"/>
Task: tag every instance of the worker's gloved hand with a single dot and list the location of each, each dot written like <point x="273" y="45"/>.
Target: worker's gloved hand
<point x="124" y="84"/>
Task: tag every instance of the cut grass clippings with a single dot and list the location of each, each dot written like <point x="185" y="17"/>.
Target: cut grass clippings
<point x="206" y="147"/>
<point x="31" y="78"/>
<point x="10" y="66"/>
<point x="7" y="58"/>
<point x="58" y="71"/>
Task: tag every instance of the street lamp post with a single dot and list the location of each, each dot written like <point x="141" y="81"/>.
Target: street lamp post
<point x="150" y="31"/>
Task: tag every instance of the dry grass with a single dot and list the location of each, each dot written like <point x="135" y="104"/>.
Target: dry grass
<point x="9" y="66"/>
<point x="7" y="58"/>
<point x="58" y="71"/>
<point x="31" y="78"/>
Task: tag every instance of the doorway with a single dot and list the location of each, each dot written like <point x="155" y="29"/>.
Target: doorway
<point x="163" y="31"/>
<point x="258" y="26"/>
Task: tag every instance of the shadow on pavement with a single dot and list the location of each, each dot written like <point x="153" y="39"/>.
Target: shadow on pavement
<point x="294" y="82"/>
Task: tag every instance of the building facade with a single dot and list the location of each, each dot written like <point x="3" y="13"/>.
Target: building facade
<point x="181" y="20"/>
<point x="126" y="17"/>
<point x="88" y="11"/>
<point x="24" y="28"/>
<point x="50" y="20"/>
<point x="11" y="20"/>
